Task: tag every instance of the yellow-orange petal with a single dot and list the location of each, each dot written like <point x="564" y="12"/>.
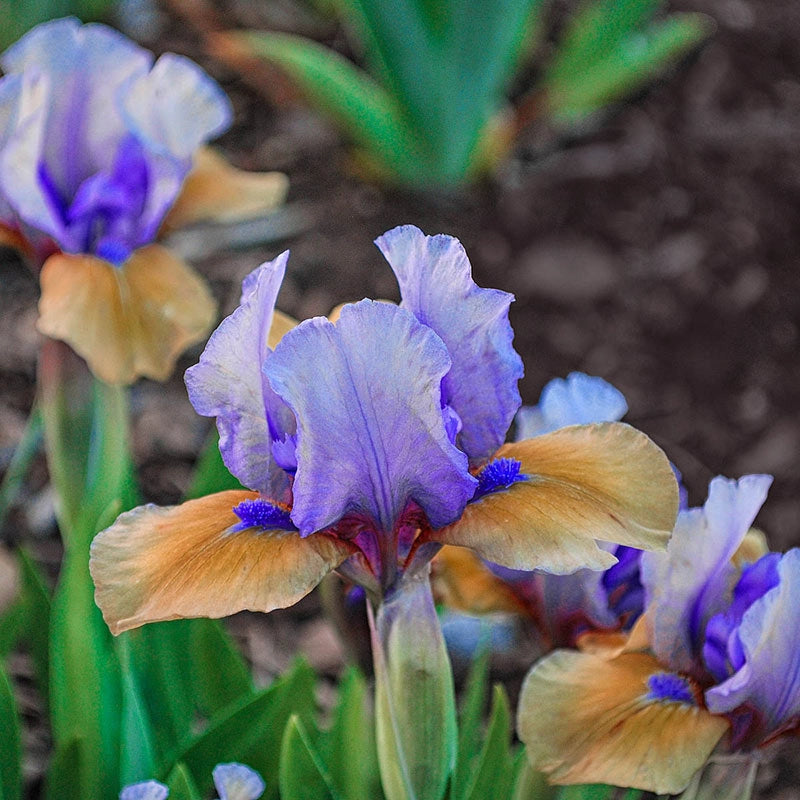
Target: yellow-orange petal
<point x="604" y="482"/>
<point x="216" y="191"/>
<point x="462" y="582"/>
<point x="11" y="237"/>
<point x="158" y="564"/>
<point x="128" y="321"/>
<point x="587" y="719"/>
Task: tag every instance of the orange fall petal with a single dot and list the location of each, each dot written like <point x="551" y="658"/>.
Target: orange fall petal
<point x="127" y="321"/>
<point x="158" y="564"/>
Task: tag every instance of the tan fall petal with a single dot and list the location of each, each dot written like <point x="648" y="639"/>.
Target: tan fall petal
<point x="462" y="582"/>
<point x="214" y="191"/>
<point x="128" y="321"/>
<point x="584" y="483"/>
<point x="587" y="719"/>
<point x="158" y="564"/>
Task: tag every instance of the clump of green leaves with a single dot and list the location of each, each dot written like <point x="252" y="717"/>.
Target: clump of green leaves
<point x="431" y="107"/>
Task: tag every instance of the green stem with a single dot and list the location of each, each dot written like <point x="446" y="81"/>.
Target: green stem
<point x="20" y="463"/>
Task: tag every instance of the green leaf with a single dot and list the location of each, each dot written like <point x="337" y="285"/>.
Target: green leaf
<point x="64" y="775"/>
<point x="594" y="791"/>
<point x="181" y="786"/>
<point x="250" y="731"/>
<point x="493" y="774"/>
<point x="355" y="102"/>
<point x="10" y="742"/>
<point x="302" y="773"/>
<point x="36" y="611"/>
<point x="529" y="784"/>
<point x="211" y="475"/>
<point x="469" y="724"/>
<point x="137" y="754"/>
<point x="85" y="689"/>
<point x="576" y="87"/>
<point x="349" y="746"/>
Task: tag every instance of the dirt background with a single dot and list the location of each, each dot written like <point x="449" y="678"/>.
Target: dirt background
<point x="657" y="249"/>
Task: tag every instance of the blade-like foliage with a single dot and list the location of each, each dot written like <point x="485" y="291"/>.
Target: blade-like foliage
<point x="433" y="109"/>
<point x="10" y="742"/>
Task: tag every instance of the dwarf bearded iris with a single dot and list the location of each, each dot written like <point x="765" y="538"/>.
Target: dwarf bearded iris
<point x="369" y="442"/>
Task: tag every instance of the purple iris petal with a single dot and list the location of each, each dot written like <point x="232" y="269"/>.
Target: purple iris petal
<point x="237" y="782"/>
<point x="769" y="678"/>
<point x="229" y="384"/>
<point x="101" y="139"/>
<point x="722" y="650"/>
<point x="147" y="790"/>
<point x="623" y="586"/>
<point x="371" y="437"/>
<point x="693" y="580"/>
<point x="436" y="285"/>
<point x="577" y="400"/>
<point x="666" y="686"/>
<point x="497" y="475"/>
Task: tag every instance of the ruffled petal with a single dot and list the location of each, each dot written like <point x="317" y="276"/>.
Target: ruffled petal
<point x="693" y="580"/>
<point x="158" y="564"/>
<point x="127" y="321"/>
<point x="582" y="483"/>
<point x="215" y="191"/>
<point x="228" y="383"/>
<point x="436" y="285"/>
<point x="577" y="400"/>
<point x="371" y="434"/>
<point x="624" y="722"/>
<point x="769" y="635"/>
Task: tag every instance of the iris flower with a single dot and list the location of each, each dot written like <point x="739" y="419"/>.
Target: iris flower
<point x="714" y="661"/>
<point x="100" y="150"/>
<point x="561" y="607"/>
<point x="368" y="442"/>
<point x="232" y="781"/>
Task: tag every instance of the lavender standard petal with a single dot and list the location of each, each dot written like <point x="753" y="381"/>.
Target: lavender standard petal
<point x="693" y="580"/>
<point x="769" y="678"/>
<point x="577" y="400"/>
<point x="436" y="285"/>
<point x="228" y="384"/>
<point x="367" y="398"/>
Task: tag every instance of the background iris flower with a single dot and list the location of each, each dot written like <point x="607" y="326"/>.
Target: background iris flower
<point x="561" y="607"/>
<point x="232" y="782"/>
<point x="368" y="443"/>
<point x="715" y="653"/>
<point x="100" y="149"/>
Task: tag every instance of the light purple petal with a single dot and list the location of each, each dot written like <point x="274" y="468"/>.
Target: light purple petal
<point x="694" y="579"/>
<point x="10" y="99"/>
<point x="228" y="383"/>
<point x="175" y="107"/>
<point x="147" y="790"/>
<point x="436" y="285"/>
<point x="769" y="681"/>
<point x="172" y="110"/>
<point x="237" y="782"/>
<point x="371" y="434"/>
<point x="577" y="400"/>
